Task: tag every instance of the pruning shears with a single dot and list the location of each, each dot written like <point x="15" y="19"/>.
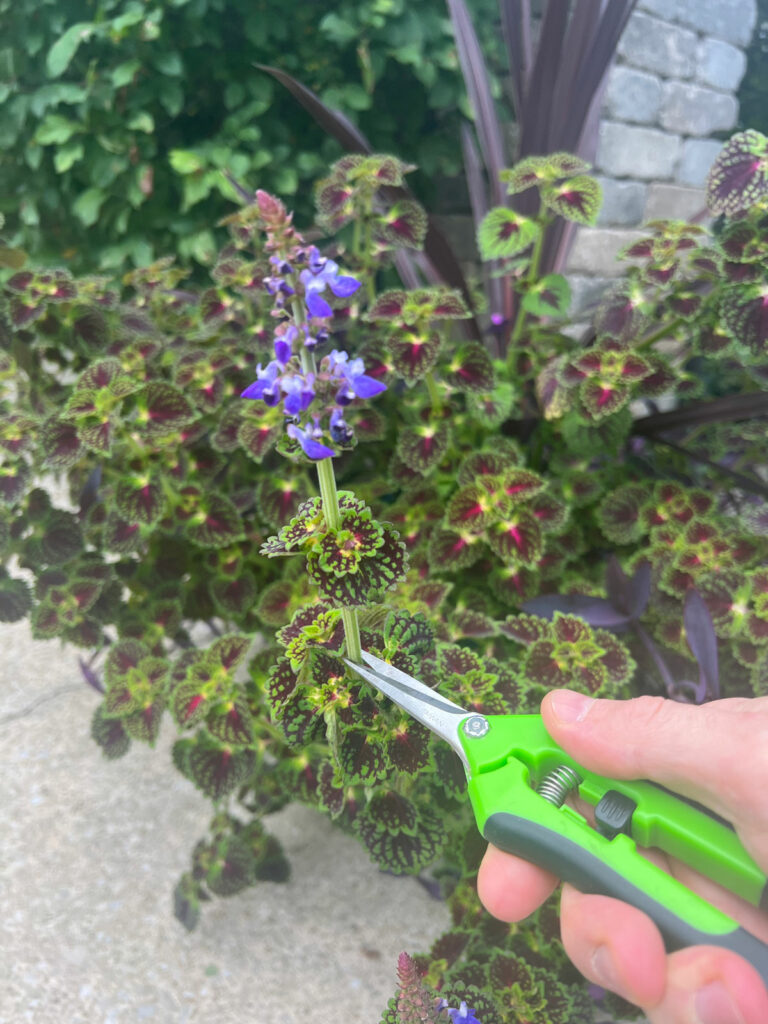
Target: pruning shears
<point x="518" y="782"/>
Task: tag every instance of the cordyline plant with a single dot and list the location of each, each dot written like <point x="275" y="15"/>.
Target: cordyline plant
<point x="309" y="458"/>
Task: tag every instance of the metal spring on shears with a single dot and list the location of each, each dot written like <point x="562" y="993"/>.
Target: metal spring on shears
<point x="556" y="786"/>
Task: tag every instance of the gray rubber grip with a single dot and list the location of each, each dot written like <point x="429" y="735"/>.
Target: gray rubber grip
<point x="587" y="873"/>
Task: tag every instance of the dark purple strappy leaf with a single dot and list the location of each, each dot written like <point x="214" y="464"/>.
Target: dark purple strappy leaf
<point x="597" y="611"/>
<point x="700" y="634"/>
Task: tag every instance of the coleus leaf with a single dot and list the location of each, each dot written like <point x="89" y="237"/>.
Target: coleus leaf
<point x="577" y="199"/>
<point x="234" y="597"/>
<point x="377" y="572"/>
<point x="619" y="514"/>
<point x="491" y="463"/>
<point x="504" y="233"/>
<point x="213" y="522"/>
<point x="739" y="176"/>
<point x="144" y="724"/>
<point x="549" y="296"/>
<point x="524" y="628"/>
<point x="60" y="444"/>
<point x="516" y="538"/>
<point x="15" y="598"/>
<point x="390" y="811"/>
<point x="421" y="448"/>
<point x="109" y="734"/>
<point x="14" y="477"/>
<point x="414" y="353"/>
<point x="278" y="498"/>
<point x="744" y="310"/>
<point x="232" y="869"/>
<point x="471" y="508"/>
<point x="603" y="398"/>
<point x="361" y="757"/>
<point x="450" y="550"/>
<point x="470" y="369"/>
<point x="404" y="225"/>
<point x="214" y="768"/>
<point x="231" y="722"/>
<point x="120" y="536"/>
<point x="402" y="853"/>
<point x="163" y="409"/>
<point x="408" y="747"/>
<point x="492" y="408"/>
<point x="138" y="499"/>
<point x="533" y="170"/>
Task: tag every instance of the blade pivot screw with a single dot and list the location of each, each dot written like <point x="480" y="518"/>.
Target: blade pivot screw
<point x="476" y="726"/>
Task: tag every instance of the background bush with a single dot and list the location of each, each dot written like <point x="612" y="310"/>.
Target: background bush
<point x="116" y="117"/>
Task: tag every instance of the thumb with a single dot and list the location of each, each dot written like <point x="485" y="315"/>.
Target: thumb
<point x="715" y="753"/>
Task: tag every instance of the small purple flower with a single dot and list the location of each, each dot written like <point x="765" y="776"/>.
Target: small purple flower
<point x="341" y="432"/>
<point x="299" y="392"/>
<point x="284" y="344"/>
<point x="356" y="383"/>
<point x="267" y="384"/>
<point x="461" y="1016"/>
<point x="309" y="443"/>
<point x="322" y="273"/>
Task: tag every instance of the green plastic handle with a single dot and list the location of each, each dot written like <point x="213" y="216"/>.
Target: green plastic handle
<point x="511" y="759"/>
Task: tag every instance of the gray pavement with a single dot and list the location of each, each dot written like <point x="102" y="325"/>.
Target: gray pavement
<point x="90" y="851"/>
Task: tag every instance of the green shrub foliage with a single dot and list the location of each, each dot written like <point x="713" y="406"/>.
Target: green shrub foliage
<point x="117" y="118"/>
<point x="497" y="520"/>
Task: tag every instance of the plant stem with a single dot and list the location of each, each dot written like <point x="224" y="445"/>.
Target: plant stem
<point x="434" y="394"/>
<point x="330" y="498"/>
<point x="661" y="333"/>
<point x="531" y="276"/>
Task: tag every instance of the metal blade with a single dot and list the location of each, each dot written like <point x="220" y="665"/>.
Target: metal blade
<point x="427" y="706"/>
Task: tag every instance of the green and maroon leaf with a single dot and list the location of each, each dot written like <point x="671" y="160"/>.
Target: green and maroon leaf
<point x="387" y="306"/>
<point x="619" y="514"/>
<point x="232" y="869"/>
<point x="524" y="629"/>
<point x="215" y="523"/>
<point x="471" y="369"/>
<point x="739" y="176"/>
<point x="414" y="353"/>
<point x="602" y="398"/>
<point x="390" y="811"/>
<point x="120" y="536"/>
<point x="744" y="310"/>
<point x="99" y="375"/>
<point x="231" y="722"/>
<point x="402" y="853"/>
<point x="332" y="198"/>
<point x="543" y="665"/>
<point x="550" y="296"/>
<point x="404" y="225"/>
<point x="421" y="448"/>
<point x="484" y="464"/>
<point x="577" y="199"/>
<point x="281" y="682"/>
<point x="361" y="757"/>
<point x="376" y="573"/>
<point x="189" y="705"/>
<point x="513" y="584"/>
<point x="109" y="734"/>
<point x="330" y="793"/>
<point x="517" y="538"/>
<point x="278" y="498"/>
<point x="492" y="408"/>
<point x="60" y="444"/>
<point x="274" y="603"/>
<point x="123" y="656"/>
<point x="15" y="598"/>
<point x="450" y="550"/>
<point x="369" y="425"/>
<point x="408" y="747"/>
<point x="533" y="170"/>
<point x="570" y="629"/>
<point x="139" y="499"/>
<point x="470" y="622"/>
<point x="520" y="485"/>
<point x="216" y="770"/>
<point x="504" y="233"/>
<point x="163" y="409"/>
<point x="551" y="513"/>
<point x="471" y="508"/>
<point x="144" y="724"/>
<point x="234" y="597"/>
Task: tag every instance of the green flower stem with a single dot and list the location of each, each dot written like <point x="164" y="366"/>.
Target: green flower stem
<point x="533" y="273"/>
<point x="663" y="332"/>
<point x="327" y="480"/>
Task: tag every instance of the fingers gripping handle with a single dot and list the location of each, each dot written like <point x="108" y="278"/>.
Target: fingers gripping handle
<point x="683" y="918"/>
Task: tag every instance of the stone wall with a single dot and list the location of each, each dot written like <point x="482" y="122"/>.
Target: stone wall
<point x="671" y="89"/>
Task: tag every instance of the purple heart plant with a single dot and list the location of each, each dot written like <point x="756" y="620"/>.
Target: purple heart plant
<point x="326" y="449"/>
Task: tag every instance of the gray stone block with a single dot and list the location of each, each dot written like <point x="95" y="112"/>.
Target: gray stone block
<point x="586" y="292"/>
<point x="655" y="45"/>
<point x="595" y="251"/>
<point x="731" y="20"/>
<point x="696" y="158"/>
<point x="694" y="110"/>
<point x="623" y="202"/>
<point x="673" y="202"/>
<point x="720" y="65"/>
<point x="632" y="95"/>
<point x="626" y="151"/>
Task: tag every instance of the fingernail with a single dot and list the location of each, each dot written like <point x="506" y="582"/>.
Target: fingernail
<point x="604" y="968"/>
<point x="714" y="1005"/>
<point x="570" y="706"/>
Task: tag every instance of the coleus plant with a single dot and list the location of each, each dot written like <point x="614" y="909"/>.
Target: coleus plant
<point x="308" y="457"/>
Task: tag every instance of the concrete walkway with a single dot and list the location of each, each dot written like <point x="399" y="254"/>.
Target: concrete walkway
<point x="90" y="851"/>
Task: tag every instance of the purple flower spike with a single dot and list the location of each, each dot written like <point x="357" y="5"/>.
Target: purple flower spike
<point x="284" y="344"/>
<point x="266" y="386"/>
<point x="311" y="447"/>
<point x="357" y="384"/>
<point x="316" y="304"/>
<point x="461" y="1016"/>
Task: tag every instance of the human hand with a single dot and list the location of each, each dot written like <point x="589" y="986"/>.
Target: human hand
<point x="714" y="753"/>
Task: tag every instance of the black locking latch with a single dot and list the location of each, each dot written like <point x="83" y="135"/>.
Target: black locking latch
<point x="613" y="814"/>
